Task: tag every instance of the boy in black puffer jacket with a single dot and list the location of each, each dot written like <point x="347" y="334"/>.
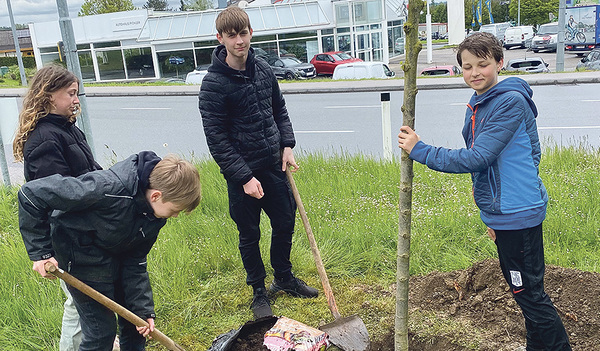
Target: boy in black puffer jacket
<point x="250" y="136"/>
<point x="103" y="225"/>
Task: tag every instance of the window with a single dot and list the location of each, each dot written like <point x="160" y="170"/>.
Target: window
<point x="139" y="63"/>
<point x="110" y="64"/>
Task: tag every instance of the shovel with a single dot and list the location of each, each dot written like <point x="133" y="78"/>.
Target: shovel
<point x="347" y="333"/>
<point x="111" y="305"/>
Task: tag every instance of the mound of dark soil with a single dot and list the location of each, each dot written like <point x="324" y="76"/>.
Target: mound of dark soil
<point x="473" y="309"/>
<point x="478" y="299"/>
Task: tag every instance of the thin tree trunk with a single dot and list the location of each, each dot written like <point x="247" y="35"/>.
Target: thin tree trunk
<point x="412" y="47"/>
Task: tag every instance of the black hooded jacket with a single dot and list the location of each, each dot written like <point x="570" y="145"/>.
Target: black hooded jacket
<point x="57" y="146"/>
<point x="101" y="228"/>
<point x="244" y="116"/>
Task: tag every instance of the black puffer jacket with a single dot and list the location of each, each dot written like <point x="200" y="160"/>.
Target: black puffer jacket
<point x="101" y="229"/>
<point x="57" y="146"/>
<point x="244" y="116"/>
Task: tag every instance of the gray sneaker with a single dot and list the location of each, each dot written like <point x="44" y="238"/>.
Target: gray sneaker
<point x="260" y="306"/>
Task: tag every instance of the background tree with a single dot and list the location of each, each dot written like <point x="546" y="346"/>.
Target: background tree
<point x="158" y="5"/>
<point x="95" y="7"/>
<point x="181" y="5"/>
<point x="534" y="12"/>
<point x="499" y="12"/>
<point x="439" y="13"/>
<point x="196" y="5"/>
<point x="413" y="47"/>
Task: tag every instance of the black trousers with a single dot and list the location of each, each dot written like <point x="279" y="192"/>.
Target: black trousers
<point x="279" y="205"/>
<point x="99" y="324"/>
<point x="521" y="254"/>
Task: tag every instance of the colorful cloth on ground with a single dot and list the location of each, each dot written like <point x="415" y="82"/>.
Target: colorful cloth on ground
<point x="288" y="334"/>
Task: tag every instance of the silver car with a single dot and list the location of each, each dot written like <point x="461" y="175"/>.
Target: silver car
<point x="528" y="65"/>
<point x="590" y="62"/>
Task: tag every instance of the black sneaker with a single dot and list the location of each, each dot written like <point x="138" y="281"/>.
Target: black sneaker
<point x="295" y="287"/>
<point x="260" y="306"/>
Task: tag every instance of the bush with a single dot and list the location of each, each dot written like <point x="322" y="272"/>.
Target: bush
<point x="28" y="62"/>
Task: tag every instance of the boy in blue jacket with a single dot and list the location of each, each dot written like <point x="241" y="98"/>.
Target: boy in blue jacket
<point x="503" y="154"/>
<point x="102" y="227"/>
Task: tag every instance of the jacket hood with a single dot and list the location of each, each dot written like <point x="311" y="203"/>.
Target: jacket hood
<point x="219" y="65"/>
<point x="146" y="162"/>
<point x="512" y="84"/>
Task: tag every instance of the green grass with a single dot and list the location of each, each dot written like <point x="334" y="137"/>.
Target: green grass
<point x="199" y="282"/>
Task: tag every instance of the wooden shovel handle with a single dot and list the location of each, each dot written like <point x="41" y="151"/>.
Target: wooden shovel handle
<point x="313" y="247"/>
<point x="110" y="304"/>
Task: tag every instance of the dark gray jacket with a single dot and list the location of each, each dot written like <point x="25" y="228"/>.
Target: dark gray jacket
<point x="101" y="228"/>
<point x="244" y="116"/>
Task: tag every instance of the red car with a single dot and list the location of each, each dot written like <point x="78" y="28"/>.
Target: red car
<point x="326" y="62"/>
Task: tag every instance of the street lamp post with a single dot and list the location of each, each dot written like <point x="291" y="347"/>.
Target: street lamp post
<point x="519" y="14"/>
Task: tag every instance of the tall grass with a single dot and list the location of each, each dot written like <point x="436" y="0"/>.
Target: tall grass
<point x="197" y="275"/>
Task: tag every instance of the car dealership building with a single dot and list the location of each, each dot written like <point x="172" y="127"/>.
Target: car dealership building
<point x="145" y="44"/>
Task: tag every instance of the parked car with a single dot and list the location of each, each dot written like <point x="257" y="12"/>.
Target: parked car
<point x="196" y="76"/>
<point x="497" y="29"/>
<point x="518" y="36"/>
<point x="447" y="70"/>
<point x="325" y="63"/>
<point x="590" y="62"/>
<point x="546" y="38"/>
<point x="399" y="45"/>
<point x="176" y="60"/>
<point x="363" y="70"/>
<point x="529" y="65"/>
<point x="291" y="68"/>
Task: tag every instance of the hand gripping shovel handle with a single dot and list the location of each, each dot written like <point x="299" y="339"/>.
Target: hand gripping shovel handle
<point x="110" y="304"/>
<point x="313" y="246"/>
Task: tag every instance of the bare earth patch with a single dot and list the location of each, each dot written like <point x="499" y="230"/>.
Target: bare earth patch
<point x="472" y="309"/>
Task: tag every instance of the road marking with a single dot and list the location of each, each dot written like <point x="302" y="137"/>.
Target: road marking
<point x="574" y="127"/>
<point x="458" y="104"/>
<point x="322" y="131"/>
<point x="145" y="108"/>
<point x="590" y="100"/>
<point x="358" y="106"/>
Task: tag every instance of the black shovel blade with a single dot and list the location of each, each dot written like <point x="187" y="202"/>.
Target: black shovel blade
<point x="348" y="333"/>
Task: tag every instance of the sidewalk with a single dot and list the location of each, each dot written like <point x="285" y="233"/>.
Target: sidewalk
<point x="397" y="84"/>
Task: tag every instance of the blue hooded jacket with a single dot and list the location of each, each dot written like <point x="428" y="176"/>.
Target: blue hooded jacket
<point x="502" y="154"/>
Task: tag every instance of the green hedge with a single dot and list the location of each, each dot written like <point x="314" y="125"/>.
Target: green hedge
<point x="28" y="62"/>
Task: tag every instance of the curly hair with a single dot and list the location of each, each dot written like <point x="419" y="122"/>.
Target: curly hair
<point x="37" y="102"/>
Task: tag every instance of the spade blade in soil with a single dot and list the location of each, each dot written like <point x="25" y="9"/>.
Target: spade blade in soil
<point x="348" y="333"/>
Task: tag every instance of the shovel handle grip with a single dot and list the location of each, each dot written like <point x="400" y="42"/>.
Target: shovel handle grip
<point x="313" y="247"/>
<point x="111" y="305"/>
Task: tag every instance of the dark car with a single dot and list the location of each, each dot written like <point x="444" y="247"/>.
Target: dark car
<point x="590" y="62"/>
<point x="325" y="63"/>
<point x="529" y="65"/>
<point x="291" y="68"/>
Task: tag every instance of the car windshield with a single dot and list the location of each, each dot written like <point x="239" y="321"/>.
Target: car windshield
<point x="548" y="29"/>
<point x="290" y="61"/>
<point x="340" y="56"/>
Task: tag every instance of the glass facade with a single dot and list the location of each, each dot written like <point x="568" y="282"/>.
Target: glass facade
<point x="170" y="46"/>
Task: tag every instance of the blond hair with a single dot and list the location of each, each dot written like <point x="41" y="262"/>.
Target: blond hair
<point x="37" y="102"/>
<point x="232" y="20"/>
<point x="178" y="180"/>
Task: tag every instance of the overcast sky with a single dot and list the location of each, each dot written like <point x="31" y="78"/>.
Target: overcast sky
<point x="25" y="11"/>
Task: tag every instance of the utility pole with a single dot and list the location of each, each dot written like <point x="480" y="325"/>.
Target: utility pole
<point x="17" y="47"/>
<point x="519" y="14"/>
<point x="68" y="36"/>
<point x="560" y="45"/>
<point x="429" y="43"/>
